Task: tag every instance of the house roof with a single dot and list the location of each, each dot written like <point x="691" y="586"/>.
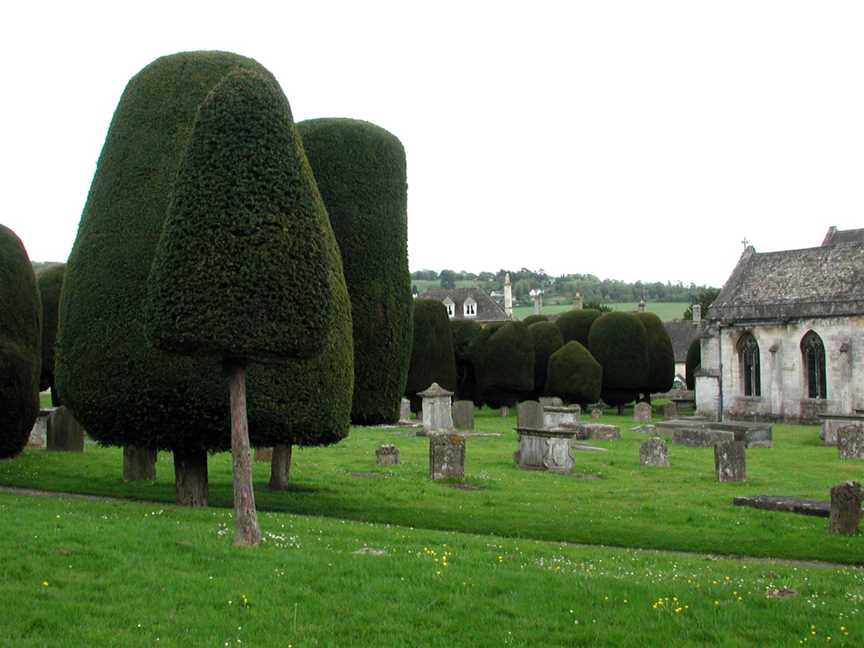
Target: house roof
<point x="682" y="333"/>
<point x="835" y="236"/>
<point x="487" y="309"/>
<point x="814" y="282"/>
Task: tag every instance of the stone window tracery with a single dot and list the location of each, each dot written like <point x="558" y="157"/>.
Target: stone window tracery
<point x="748" y="357"/>
<point x="813" y="353"/>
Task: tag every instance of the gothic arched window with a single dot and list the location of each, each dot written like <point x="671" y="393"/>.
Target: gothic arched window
<point x="748" y="357"/>
<point x="813" y="353"/>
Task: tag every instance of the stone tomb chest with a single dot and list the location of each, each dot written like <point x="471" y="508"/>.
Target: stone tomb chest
<point x="554" y="417"/>
<point x="544" y="449"/>
<point x="700" y="433"/>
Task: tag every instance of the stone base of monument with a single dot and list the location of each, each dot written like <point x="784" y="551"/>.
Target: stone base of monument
<point x="542" y="449"/>
<point x="64" y="433"/>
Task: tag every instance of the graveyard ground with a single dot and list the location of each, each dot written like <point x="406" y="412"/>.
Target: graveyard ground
<point x="86" y="573"/>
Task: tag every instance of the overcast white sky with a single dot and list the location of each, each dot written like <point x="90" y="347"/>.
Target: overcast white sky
<point x="630" y="140"/>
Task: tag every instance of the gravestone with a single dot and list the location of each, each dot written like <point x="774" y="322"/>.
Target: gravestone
<point x="653" y="452"/>
<point x="551" y="401"/>
<point x="850" y="442"/>
<point x="541" y="449"/>
<point x="729" y="461"/>
<point x="39" y="433"/>
<point x="387" y="455"/>
<point x="446" y="456"/>
<point x="554" y="417"/>
<point x="405" y="411"/>
<point x="529" y="414"/>
<point x="264" y="455"/>
<point x="63" y="432"/>
<point x="642" y="412"/>
<point x="505" y="411"/>
<point x="596" y="412"/>
<point x="463" y="415"/>
<point x="670" y="410"/>
<point x="596" y="431"/>
<point x="437" y="414"/>
<point x="845" y="508"/>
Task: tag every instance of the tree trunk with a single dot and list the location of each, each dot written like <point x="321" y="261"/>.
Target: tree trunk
<point x="139" y="464"/>
<point x="620" y="410"/>
<point x="246" y="530"/>
<point x="190" y="477"/>
<point x="280" y="467"/>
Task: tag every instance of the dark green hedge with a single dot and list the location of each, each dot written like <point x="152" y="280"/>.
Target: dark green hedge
<point x="432" y="356"/>
<point x="122" y="389"/>
<point x="20" y="342"/>
<point x="575" y="324"/>
<point x="50" y="281"/>
<point x="360" y="171"/>
<point x="661" y="355"/>
<point x="546" y="339"/>
<point x="503" y="357"/>
<point x="464" y="332"/>
<point x="574" y="375"/>
<point x="533" y="319"/>
<point x="693" y="362"/>
<point x="619" y="342"/>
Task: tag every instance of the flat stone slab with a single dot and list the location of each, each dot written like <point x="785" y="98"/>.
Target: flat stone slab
<point x="587" y="448"/>
<point x="700" y="433"/>
<point x="700" y="438"/>
<point x="593" y="431"/>
<point x="817" y="508"/>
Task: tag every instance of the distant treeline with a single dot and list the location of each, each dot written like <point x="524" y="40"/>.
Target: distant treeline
<point x="564" y="288"/>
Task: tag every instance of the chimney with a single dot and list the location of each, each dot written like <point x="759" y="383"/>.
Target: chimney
<point x="508" y="297"/>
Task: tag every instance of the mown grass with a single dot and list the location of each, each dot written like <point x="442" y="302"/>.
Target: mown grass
<point x="609" y="499"/>
<point x="77" y="573"/>
<point x="666" y="311"/>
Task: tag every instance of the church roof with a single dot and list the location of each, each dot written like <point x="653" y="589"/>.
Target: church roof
<point x="835" y="236"/>
<point x="681" y="333"/>
<point x="814" y="282"/>
<point x="487" y="309"/>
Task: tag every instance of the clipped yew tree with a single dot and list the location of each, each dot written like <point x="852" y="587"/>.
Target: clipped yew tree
<point x="241" y="271"/>
<point x="546" y="338"/>
<point x="533" y="319"/>
<point x="123" y="390"/>
<point x="619" y="342"/>
<point x="576" y="324"/>
<point x="20" y="341"/>
<point x="693" y="362"/>
<point x="432" y="357"/>
<point x="503" y="356"/>
<point x="50" y="281"/>
<point x="360" y="171"/>
<point x="574" y="375"/>
<point x="464" y="332"/>
<point x="661" y="356"/>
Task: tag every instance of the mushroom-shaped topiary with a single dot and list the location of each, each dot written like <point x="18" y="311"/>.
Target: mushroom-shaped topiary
<point x="547" y="340"/>
<point x="464" y="332"/>
<point x="50" y="281"/>
<point x="533" y="319"/>
<point x="693" y="362"/>
<point x="661" y="356"/>
<point x="360" y="171"/>
<point x="20" y="354"/>
<point x="574" y="375"/>
<point x="619" y="342"/>
<point x="432" y="357"/>
<point x="503" y="357"/>
<point x="575" y="324"/>
<point x="241" y="273"/>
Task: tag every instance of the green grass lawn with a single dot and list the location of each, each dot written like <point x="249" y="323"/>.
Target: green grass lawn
<point x="666" y="311"/>
<point x="609" y="499"/>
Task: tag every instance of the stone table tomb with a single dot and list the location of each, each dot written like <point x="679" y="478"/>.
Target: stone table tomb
<point x="542" y="449"/>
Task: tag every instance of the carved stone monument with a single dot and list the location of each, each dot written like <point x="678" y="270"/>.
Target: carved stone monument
<point x="387" y="455"/>
<point x="845" y="508"/>
<point x="670" y="410"/>
<point x="437" y="414"/>
<point x="541" y="449"/>
<point x="850" y="442"/>
<point x="729" y="461"/>
<point x="554" y="417"/>
<point x="64" y="433"/>
<point x="654" y="452"/>
<point x="447" y="456"/>
<point x="463" y="415"/>
<point x="529" y="414"/>
<point x="642" y="412"/>
<point x="551" y="401"/>
<point x="405" y="411"/>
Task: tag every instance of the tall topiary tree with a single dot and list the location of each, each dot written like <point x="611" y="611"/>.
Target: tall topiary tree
<point x="50" y="281"/>
<point x="693" y="362"/>
<point x="619" y="342"/>
<point x="574" y="375"/>
<point x="121" y="389"/>
<point x="503" y="357"/>
<point x="360" y="171"/>
<point x="20" y="353"/>
<point x="575" y="324"/>
<point x="241" y="271"/>
<point x="432" y="357"/>
<point x="546" y="339"/>
<point x="464" y="332"/>
<point x="533" y="319"/>
<point x="661" y="356"/>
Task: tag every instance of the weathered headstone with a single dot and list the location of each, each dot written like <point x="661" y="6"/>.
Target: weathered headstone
<point x="845" y="508"/>
<point x="642" y="412"/>
<point x="551" y="401"/>
<point x="264" y="455"/>
<point x="596" y="412"/>
<point x="505" y="411"/>
<point x="463" y="415"/>
<point x="139" y="464"/>
<point x="39" y="433"/>
<point x="64" y="433"/>
<point x="387" y="455"/>
<point x="405" y="411"/>
<point x="529" y="414"/>
<point x="670" y="410"/>
<point x="729" y="461"/>
<point x="653" y="452"/>
<point x="541" y="449"/>
<point x="850" y="442"/>
<point x="554" y="417"/>
<point x="446" y="456"/>
<point x="437" y="414"/>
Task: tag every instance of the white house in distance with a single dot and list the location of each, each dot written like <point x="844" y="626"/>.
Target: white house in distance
<point x="784" y="340"/>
